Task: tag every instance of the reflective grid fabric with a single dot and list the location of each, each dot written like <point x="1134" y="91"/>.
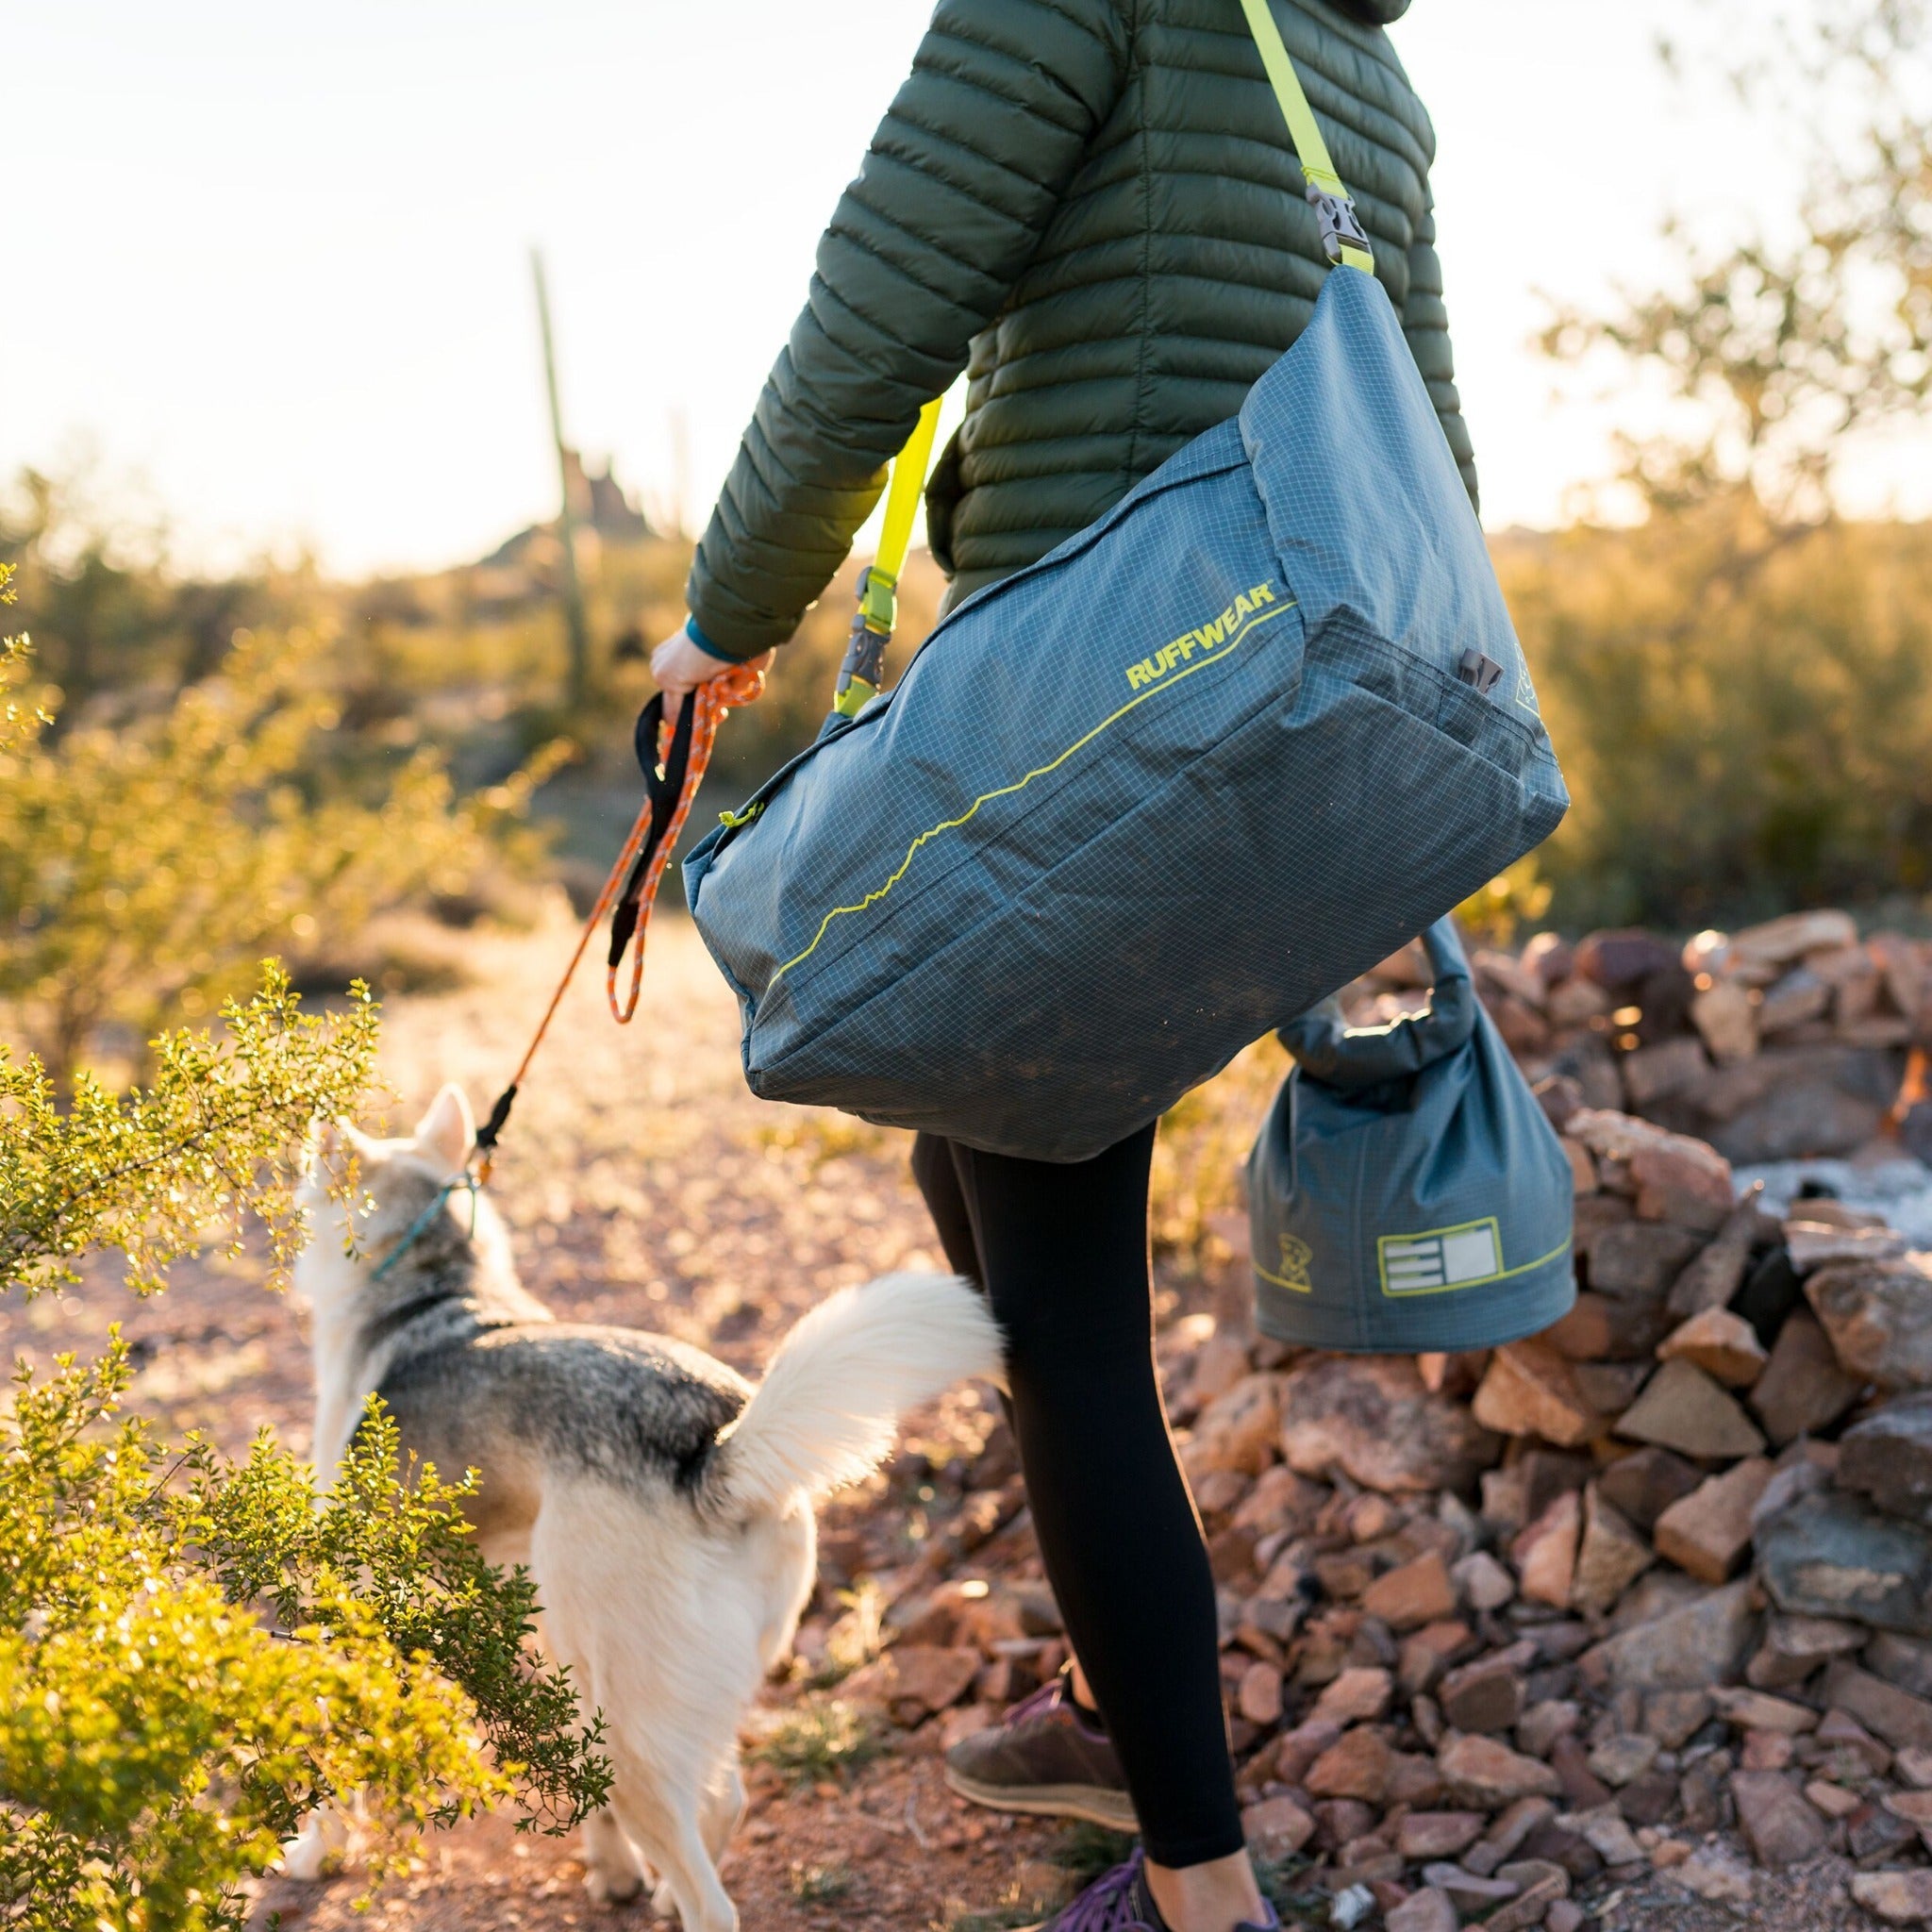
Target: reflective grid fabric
<point x="1162" y="791"/>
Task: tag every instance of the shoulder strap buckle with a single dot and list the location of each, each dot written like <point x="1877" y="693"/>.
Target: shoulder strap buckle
<point x="1343" y="238"/>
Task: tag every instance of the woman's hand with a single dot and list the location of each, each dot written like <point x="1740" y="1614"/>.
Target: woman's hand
<point x="680" y="666"/>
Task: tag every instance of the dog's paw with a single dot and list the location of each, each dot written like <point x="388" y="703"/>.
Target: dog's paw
<point x="662" y="1904"/>
<point x="613" y="1888"/>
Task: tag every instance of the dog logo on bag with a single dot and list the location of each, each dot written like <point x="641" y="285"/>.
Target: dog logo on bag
<point x="1440" y="1258"/>
<point x="1295" y="1257"/>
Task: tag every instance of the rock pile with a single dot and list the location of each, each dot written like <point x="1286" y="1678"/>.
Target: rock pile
<point x="1783" y="1040"/>
<point x="1648" y="1592"/>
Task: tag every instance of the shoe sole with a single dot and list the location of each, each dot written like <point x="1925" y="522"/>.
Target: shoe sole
<point x="1091" y="1804"/>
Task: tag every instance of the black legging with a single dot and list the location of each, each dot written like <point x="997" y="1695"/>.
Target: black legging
<point x="1061" y="1251"/>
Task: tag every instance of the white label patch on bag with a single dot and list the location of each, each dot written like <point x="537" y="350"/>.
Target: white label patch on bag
<point x="1441" y="1257"/>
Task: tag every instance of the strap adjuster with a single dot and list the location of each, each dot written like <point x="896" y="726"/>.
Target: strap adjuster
<point x="1343" y="238"/>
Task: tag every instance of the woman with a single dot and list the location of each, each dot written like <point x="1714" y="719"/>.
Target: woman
<point x="1094" y="208"/>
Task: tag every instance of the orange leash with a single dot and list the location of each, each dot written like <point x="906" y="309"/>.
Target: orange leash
<point x="674" y="756"/>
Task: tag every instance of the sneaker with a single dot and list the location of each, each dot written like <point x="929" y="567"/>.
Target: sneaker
<point x="1046" y="1759"/>
<point x="1120" y="1902"/>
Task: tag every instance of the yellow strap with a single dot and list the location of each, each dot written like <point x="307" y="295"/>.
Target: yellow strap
<point x="902" y="494"/>
<point x="1309" y="147"/>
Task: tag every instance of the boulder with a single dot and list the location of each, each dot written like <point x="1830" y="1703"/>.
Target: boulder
<point x="1698" y="1644"/>
<point x="1371" y="1418"/>
<point x="1622" y="956"/>
<point x="1793" y="1648"/>
<point x="1652" y="1074"/>
<point x="1835" y="1556"/>
<point x="1597" y="1329"/>
<point x="1906" y="1661"/>
<point x="1802" y="1388"/>
<point x="1888" y="1457"/>
<point x="1879" y="1319"/>
<point x="1682" y="1408"/>
<point x="1904" y="1722"/>
<point x="1725" y="1022"/>
<point x="1357" y="1766"/>
<point x="913" y="1680"/>
<point x="1638" y="1260"/>
<point x="1237" y="1431"/>
<point x="1900" y="1898"/>
<point x="1815" y="1244"/>
<point x="1783" y="941"/>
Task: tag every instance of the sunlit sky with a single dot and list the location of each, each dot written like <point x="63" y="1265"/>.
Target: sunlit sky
<point x="268" y="265"/>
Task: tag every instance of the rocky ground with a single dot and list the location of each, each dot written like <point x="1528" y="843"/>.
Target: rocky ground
<point x="1621" y="1626"/>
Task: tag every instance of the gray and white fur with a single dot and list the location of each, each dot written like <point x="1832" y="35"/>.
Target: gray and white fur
<point x="662" y="1503"/>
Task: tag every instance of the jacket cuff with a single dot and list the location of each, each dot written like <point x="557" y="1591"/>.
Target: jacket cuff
<point x="706" y="646"/>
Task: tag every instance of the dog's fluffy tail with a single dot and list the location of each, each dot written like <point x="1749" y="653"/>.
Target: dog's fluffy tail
<point x="825" y="1413"/>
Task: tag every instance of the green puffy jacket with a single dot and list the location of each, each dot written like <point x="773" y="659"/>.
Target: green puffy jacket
<point x="1094" y="208"/>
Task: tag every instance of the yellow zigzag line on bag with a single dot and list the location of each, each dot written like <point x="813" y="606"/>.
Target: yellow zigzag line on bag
<point x="1172" y="683"/>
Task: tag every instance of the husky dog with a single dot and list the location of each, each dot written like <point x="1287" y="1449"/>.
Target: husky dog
<point x="662" y="1503"/>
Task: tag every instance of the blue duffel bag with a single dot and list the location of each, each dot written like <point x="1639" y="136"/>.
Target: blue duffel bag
<point x="1148" y="798"/>
<point x="1408" y="1192"/>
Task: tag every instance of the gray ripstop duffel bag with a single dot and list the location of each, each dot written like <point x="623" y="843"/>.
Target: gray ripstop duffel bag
<point x="1138" y="803"/>
<point x="1408" y="1192"/>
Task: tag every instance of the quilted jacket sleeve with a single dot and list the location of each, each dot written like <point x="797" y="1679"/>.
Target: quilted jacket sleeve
<point x="960" y="181"/>
<point x="1426" y="322"/>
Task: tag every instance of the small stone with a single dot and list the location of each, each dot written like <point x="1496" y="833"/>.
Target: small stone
<point x="1482" y="1771"/>
<point x="1424" y="1834"/>
<point x="914" y="1680"/>
<point x="1726" y="1022"/>
<point x="1258" y="1699"/>
<point x="1840" y="1734"/>
<point x="1898" y="1717"/>
<point x="1237" y="1431"/>
<point x="1371" y="1418"/>
<point x="1539" y="1885"/>
<point x="1873" y="1832"/>
<point x="1351" y="1906"/>
<point x="1638" y="1260"/>
<point x="1487" y="1695"/>
<point x="1906" y="1661"/>
<point x="1803" y="1388"/>
<point x="1545" y="1553"/>
<point x="1415" y="1781"/>
<point x="1541" y="1724"/>
<point x="1784" y="941"/>
<point x="1642" y="1485"/>
<point x="1418" y="1592"/>
<point x="1682" y="1408"/>
<point x="1530" y="1389"/>
<point x="1690" y="1648"/>
<point x="1723" y="1344"/>
<point x="1715" y="1874"/>
<point x="1888" y="1457"/>
<point x="1799" y="997"/>
<point x="1675" y="1717"/>
<point x="1915" y="1807"/>
<point x="1427" y="1910"/>
<point x="1833" y="1800"/>
<point x="1518" y="1824"/>
<point x="1654" y="1073"/>
<point x="1485" y="1584"/>
<point x="1608" y="1835"/>
<point x="1900" y="1898"/>
<point x="1340" y="1821"/>
<point x="1610" y="1388"/>
<point x="1914" y="1765"/>
<point x="1753" y="1710"/>
<point x="1277" y="1827"/>
<point x="1835" y="1556"/>
<point x="1794" y="1647"/>
<point x="1565" y="1915"/>
<point x="1356" y="1766"/>
<point x="1780" y="1828"/>
<point x="1879" y="1319"/>
<point x="1815" y="1244"/>
<point x="1623" y="1760"/>
<point x="1300" y="1747"/>
<point x="1468" y="1889"/>
<point x="1765" y="1751"/>
<point x="1583" y="1790"/>
<point x="1359" y="1695"/>
<point x="1610" y="1557"/>
<point x="1710" y="1531"/>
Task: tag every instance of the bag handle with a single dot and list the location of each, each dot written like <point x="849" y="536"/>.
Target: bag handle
<point x="1343" y="240"/>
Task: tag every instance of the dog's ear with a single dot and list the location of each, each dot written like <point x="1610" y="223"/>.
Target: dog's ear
<point x="448" y="1130"/>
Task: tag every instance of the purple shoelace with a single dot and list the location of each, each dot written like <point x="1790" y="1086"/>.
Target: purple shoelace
<point x="1037" y="1702"/>
<point x="1107" y="1905"/>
